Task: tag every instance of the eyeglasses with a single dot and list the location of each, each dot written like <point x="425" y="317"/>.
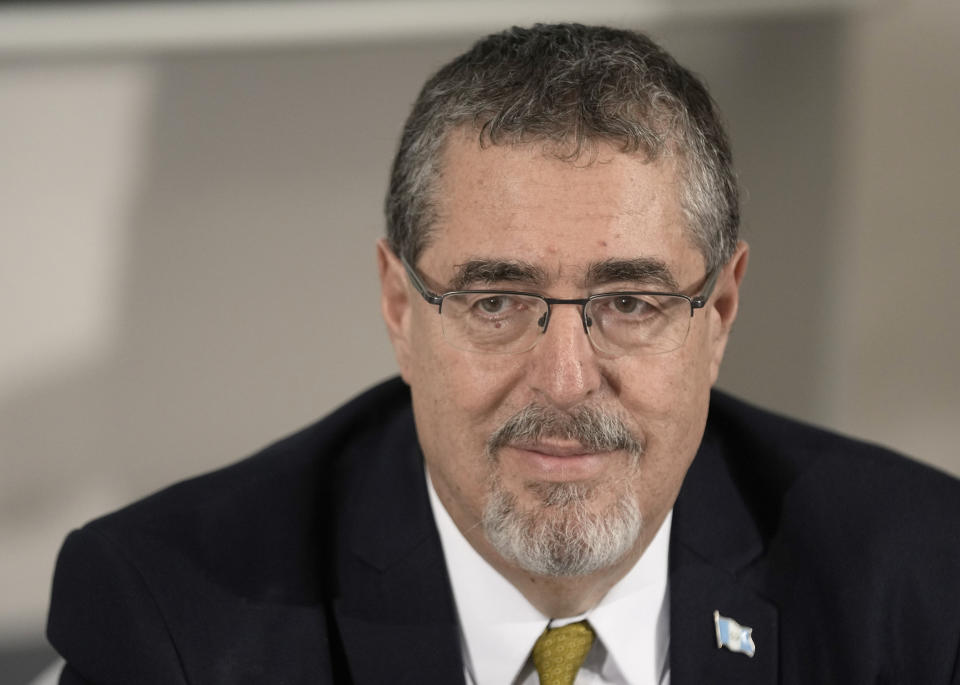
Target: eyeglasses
<point x="511" y="322"/>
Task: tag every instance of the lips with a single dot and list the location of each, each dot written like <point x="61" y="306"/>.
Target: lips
<point x="554" y="461"/>
<point x="555" y="449"/>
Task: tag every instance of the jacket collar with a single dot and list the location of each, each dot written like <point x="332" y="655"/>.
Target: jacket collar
<point x="394" y="606"/>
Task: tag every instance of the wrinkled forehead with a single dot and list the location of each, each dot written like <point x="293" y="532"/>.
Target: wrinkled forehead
<point x="565" y="217"/>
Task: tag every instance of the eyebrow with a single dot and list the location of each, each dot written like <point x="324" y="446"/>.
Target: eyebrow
<point x="648" y="271"/>
<point x="490" y="271"/>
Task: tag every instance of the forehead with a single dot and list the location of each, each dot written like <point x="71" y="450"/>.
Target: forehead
<point x="524" y="202"/>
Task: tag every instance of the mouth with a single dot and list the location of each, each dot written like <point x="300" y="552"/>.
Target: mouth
<point x="556" y="460"/>
<point x="554" y="448"/>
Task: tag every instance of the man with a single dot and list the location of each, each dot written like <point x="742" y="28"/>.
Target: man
<point x="553" y="491"/>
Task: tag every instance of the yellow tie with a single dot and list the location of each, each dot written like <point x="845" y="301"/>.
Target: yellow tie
<point x="559" y="652"/>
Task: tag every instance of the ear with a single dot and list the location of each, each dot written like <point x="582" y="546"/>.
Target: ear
<point x="395" y="304"/>
<point x="726" y="300"/>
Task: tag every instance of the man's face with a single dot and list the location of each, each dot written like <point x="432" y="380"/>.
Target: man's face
<point x="574" y="228"/>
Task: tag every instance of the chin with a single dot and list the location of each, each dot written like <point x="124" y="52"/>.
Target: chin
<point x="563" y="529"/>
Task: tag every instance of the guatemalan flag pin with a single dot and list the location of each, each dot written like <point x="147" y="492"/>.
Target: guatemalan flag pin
<point x="733" y="636"/>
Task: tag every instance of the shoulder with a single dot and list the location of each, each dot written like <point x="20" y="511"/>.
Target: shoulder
<point x="812" y="468"/>
<point x="264" y="514"/>
<point x="858" y="541"/>
<point x="240" y="556"/>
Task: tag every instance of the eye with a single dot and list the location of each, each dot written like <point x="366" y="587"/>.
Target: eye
<point x="625" y="304"/>
<point x="493" y="304"/>
<point x="627" y="308"/>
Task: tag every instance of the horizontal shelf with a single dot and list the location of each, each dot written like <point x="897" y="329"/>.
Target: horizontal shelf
<point x="52" y="28"/>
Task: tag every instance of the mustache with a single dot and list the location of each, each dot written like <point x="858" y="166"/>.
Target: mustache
<point x="597" y="430"/>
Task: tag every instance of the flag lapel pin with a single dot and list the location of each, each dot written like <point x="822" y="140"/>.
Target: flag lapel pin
<point x="733" y="636"/>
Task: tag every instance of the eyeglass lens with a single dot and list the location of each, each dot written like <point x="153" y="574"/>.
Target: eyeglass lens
<point x="617" y="324"/>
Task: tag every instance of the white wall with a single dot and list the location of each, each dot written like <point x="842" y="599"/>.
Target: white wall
<point x="186" y="262"/>
<point x="894" y="372"/>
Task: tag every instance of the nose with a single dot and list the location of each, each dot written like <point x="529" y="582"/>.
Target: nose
<point x="565" y="370"/>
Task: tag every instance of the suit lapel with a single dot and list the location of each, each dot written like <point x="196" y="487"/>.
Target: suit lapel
<point x="714" y="548"/>
<point x="696" y="591"/>
<point x="394" y="610"/>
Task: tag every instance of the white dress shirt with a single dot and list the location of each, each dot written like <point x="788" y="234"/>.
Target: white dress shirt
<point x="498" y="626"/>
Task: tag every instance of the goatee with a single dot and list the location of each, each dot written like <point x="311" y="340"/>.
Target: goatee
<point x="564" y="533"/>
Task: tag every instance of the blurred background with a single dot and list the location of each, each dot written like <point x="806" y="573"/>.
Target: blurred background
<point x="190" y="194"/>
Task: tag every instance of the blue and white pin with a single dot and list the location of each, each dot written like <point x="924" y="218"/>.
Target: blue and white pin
<point x="733" y="636"/>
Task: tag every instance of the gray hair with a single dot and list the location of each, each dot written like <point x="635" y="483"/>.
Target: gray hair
<point x="573" y="86"/>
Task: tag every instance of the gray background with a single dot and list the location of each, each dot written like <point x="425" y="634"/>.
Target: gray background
<point x="186" y="247"/>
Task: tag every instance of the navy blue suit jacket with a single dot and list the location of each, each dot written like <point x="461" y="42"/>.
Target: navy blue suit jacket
<point x="317" y="561"/>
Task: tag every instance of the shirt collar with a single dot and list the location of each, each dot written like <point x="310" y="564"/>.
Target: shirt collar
<point x="499" y="625"/>
<point x="633" y="618"/>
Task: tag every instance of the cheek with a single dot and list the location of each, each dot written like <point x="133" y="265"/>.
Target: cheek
<point x="459" y="397"/>
<point x="660" y="389"/>
<point x="668" y="397"/>
<point x="452" y="380"/>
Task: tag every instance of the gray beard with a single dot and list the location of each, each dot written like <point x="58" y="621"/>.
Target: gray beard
<point x="561" y="534"/>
